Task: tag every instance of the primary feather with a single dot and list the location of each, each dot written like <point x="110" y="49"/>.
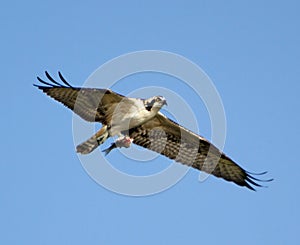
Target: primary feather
<point x="150" y="129"/>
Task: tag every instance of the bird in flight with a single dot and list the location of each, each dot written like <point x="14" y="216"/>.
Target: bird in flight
<point x="140" y="121"/>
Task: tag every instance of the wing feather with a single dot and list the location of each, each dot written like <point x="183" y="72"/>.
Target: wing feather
<point x="94" y="105"/>
<point x="168" y="138"/>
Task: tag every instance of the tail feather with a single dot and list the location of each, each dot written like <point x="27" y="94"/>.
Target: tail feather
<point x="93" y="142"/>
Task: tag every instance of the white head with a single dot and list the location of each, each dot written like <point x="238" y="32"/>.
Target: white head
<point x="155" y="103"/>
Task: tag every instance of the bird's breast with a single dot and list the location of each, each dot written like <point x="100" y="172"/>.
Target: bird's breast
<point x="132" y="118"/>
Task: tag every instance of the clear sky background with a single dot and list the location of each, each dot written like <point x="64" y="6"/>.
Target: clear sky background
<point x="250" y="49"/>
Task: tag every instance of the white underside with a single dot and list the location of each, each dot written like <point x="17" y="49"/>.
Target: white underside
<point x="128" y="116"/>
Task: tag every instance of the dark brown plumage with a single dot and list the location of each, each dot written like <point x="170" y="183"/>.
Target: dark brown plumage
<point x="93" y="105"/>
<point x="160" y="134"/>
<point x="168" y="138"/>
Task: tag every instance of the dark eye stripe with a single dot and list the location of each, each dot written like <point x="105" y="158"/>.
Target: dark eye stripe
<point x="149" y="105"/>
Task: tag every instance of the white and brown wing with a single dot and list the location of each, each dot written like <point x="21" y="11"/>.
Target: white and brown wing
<point x="166" y="137"/>
<point x="94" y="105"/>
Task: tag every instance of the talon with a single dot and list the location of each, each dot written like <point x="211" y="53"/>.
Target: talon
<point x="124" y="142"/>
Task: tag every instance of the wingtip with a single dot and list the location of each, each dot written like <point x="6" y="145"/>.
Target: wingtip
<point x="51" y="81"/>
<point x="252" y="180"/>
<point x="64" y="80"/>
<point x="261" y="173"/>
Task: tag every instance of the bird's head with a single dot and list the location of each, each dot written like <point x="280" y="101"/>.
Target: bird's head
<point x="156" y="102"/>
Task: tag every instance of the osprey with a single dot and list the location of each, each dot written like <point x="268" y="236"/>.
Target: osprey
<point x="139" y="121"/>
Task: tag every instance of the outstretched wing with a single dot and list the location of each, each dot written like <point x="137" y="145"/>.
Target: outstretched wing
<point x="175" y="142"/>
<point x="94" y="105"/>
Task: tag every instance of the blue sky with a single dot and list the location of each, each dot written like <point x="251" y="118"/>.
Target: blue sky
<point x="250" y="50"/>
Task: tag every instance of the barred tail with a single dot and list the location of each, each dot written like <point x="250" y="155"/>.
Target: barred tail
<point x="93" y="142"/>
